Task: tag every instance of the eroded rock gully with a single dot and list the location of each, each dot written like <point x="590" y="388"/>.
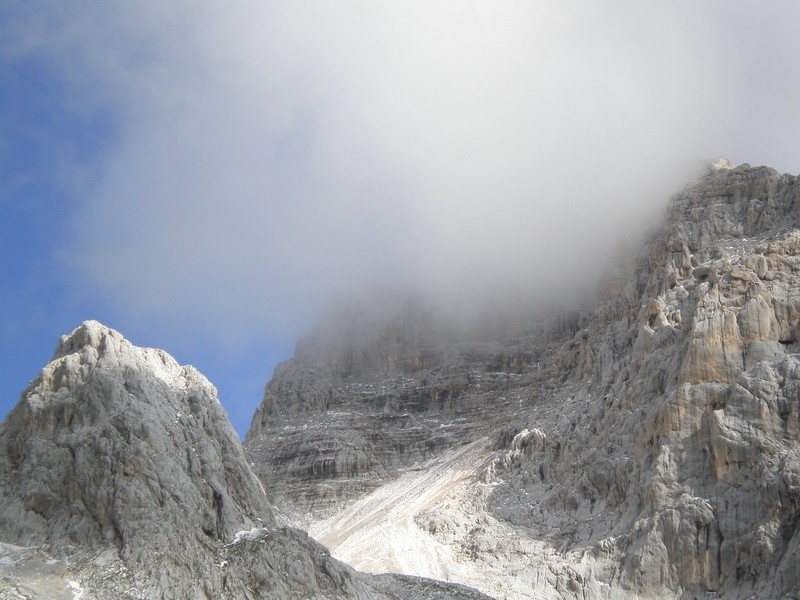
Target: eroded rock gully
<point x="646" y="447"/>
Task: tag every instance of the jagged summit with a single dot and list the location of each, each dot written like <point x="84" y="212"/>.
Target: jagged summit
<point x="89" y="333"/>
<point x="119" y="446"/>
<point x="92" y="341"/>
<point x="721" y="164"/>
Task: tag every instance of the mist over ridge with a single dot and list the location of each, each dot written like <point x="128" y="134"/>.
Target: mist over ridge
<point x="270" y="158"/>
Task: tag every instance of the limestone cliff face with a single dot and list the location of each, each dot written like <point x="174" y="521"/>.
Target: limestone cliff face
<point x="369" y="394"/>
<point x="121" y="477"/>
<point x="717" y="330"/>
<point x="681" y="471"/>
<point x="649" y="447"/>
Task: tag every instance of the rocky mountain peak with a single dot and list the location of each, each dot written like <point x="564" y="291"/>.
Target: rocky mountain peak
<point x="92" y="342"/>
<point x="648" y="446"/>
<point x="118" y="446"/>
<point x="121" y="477"/>
<point x="721" y="164"/>
<point x="89" y="333"/>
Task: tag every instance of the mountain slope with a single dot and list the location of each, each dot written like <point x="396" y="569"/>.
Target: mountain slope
<point x="378" y="533"/>
<point x="121" y="477"/>
<point x="648" y="447"/>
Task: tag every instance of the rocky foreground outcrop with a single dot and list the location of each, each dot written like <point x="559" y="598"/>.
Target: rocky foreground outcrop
<point x="121" y="477"/>
<point x="647" y="447"/>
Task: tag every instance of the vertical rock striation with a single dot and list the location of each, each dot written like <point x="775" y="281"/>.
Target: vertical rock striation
<point x="679" y="475"/>
<point x="649" y="447"/>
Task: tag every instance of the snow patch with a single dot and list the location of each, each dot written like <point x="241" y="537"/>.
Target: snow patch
<point x="247" y="534"/>
<point x="378" y="533"/>
<point x="76" y="589"/>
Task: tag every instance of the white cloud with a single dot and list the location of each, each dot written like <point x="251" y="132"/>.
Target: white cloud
<point x="273" y="154"/>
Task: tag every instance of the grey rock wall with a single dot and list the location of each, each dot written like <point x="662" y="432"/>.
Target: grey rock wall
<point x="680" y="471"/>
<point x="361" y="401"/>
<point x="647" y="447"/>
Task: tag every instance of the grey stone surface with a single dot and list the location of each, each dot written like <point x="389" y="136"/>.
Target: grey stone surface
<point x="647" y="446"/>
<point x="121" y="477"/>
<point x="643" y="446"/>
<point x="372" y="392"/>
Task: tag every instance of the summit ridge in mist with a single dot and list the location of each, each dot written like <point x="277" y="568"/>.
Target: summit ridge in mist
<point x="647" y="446"/>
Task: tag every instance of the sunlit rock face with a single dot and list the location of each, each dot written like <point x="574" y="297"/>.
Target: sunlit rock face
<point x="681" y="471"/>
<point x="121" y="446"/>
<point x="121" y="477"/>
<point x="713" y="372"/>
<point x="646" y="447"/>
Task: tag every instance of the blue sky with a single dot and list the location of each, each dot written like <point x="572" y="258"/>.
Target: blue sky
<point x="205" y="178"/>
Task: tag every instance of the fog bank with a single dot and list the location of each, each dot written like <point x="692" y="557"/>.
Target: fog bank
<point x="269" y="156"/>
